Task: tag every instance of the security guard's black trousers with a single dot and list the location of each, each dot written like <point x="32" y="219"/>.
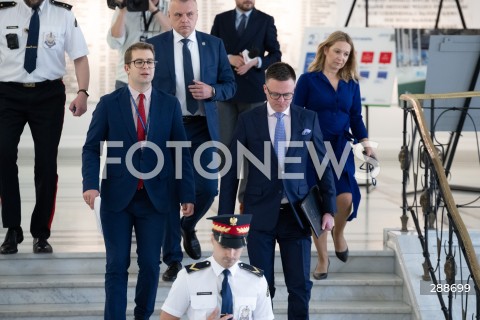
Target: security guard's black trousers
<point x="42" y="106"/>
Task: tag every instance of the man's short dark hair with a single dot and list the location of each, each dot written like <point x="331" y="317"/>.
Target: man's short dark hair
<point x="137" y="46"/>
<point x="280" y="71"/>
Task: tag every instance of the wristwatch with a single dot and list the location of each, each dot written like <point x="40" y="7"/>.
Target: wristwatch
<point x="213" y="91"/>
<point x="84" y="91"/>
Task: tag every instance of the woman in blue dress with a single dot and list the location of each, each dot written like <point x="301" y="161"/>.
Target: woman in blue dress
<point x="330" y="88"/>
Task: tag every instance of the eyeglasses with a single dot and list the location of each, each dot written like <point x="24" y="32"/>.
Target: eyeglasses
<point x="276" y="95"/>
<point x="139" y="63"/>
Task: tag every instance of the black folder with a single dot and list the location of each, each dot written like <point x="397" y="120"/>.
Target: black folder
<point x="311" y="208"/>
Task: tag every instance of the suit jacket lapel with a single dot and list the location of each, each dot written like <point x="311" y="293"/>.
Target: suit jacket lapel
<point x="262" y="130"/>
<point x="296" y="127"/>
<point x="153" y="118"/>
<point x="202" y="54"/>
<point x="169" y="55"/>
<point x="126" y="111"/>
<point x="231" y="28"/>
<point x="261" y="123"/>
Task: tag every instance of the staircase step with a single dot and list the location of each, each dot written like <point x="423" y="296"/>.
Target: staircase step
<point x="351" y="310"/>
<point x="69" y="284"/>
<point x="84" y="289"/>
<point x="75" y="263"/>
<point x="355" y="310"/>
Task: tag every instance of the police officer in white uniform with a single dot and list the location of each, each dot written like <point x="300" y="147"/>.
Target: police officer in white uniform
<point x="199" y="290"/>
<point x="34" y="36"/>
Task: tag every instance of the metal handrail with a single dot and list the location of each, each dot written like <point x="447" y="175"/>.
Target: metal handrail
<point x="445" y="192"/>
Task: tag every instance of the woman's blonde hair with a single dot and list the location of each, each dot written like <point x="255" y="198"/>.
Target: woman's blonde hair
<point x="349" y="70"/>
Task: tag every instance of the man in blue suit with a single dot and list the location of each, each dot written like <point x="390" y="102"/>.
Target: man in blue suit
<point x="284" y="138"/>
<point x="250" y="39"/>
<point x="194" y="67"/>
<point x="144" y="179"/>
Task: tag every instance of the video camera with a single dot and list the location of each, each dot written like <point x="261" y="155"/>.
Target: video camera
<point x="132" y="5"/>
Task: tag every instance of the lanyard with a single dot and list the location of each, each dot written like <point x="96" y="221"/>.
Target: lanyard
<point x="145" y="23"/>
<point x="145" y="127"/>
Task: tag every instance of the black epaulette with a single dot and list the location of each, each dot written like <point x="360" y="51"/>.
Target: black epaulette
<point x="7" y="4"/>
<point x="61" y="4"/>
<point x="256" y="271"/>
<point x="198" y="266"/>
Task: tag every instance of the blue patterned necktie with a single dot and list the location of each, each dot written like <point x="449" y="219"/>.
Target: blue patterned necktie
<point x="30" y="62"/>
<point x="242" y="24"/>
<point x="227" y="298"/>
<point x="280" y="138"/>
<point x="192" y="104"/>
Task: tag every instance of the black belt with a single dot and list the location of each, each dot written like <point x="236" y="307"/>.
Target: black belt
<point x="33" y="84"/>
<point x="285" y="207"/>
<point x="190" y="119"/>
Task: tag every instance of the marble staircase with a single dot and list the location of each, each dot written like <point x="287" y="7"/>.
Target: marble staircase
<point x="69" y="284"/>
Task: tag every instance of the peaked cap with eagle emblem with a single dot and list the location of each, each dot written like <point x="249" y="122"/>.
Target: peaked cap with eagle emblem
<point x="231" y="230"/>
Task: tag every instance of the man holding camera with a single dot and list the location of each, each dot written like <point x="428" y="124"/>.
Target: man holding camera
<point x="35" y="35"/>
<point x="129" y="27"/>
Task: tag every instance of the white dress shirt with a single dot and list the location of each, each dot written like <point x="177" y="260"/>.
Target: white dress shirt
<point x="146" y="104"/>
<point x="179" y="75"/>
<point x="272" y="122"/>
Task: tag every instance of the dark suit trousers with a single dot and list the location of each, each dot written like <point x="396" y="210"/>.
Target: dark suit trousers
<point x="43" y="108"/>
<point x="206" y="189"/>
<point x="148" y="224"/>
<point x="295" y="250"/>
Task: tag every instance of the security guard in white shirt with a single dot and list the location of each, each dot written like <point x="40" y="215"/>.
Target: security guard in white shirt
<point x="221" y="286"/>
<point x="34" y="36"/>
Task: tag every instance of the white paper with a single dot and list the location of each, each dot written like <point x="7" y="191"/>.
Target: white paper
<point x="245" y="56"/>
<point x="96" y="210"/>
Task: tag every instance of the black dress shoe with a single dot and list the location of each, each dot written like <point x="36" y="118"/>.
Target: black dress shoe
<point x="171" y="273"/>
<point x="12" y="239"/>
<point x="41" y="246"/>
<point x="191" y="245"/>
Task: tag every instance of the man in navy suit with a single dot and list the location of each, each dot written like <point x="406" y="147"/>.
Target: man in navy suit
<point x="144" y="180"/>
<point x="212" y="80"/>
<point x="284" y="138"/>
<point x="252" y="46"/>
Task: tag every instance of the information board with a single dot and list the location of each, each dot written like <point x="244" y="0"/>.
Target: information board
<point x="451" y="65"/>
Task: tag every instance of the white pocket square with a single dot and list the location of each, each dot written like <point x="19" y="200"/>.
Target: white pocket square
<point x="306" y="131"/>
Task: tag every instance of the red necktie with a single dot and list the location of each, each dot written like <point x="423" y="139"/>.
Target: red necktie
<point x="140" y="127"/>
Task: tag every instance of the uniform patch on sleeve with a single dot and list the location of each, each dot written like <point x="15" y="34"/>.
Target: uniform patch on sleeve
<point x="256" y="271"/>
<point x="197" y="266"/>
<point x="7" y="4"/>
<point x="61" y="4"/>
